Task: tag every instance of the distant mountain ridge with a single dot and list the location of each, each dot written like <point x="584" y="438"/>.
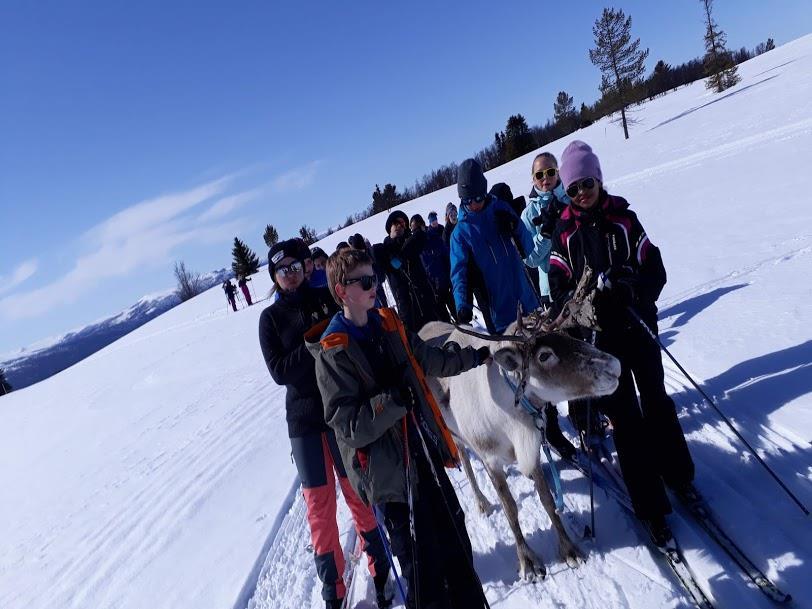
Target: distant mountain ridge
<point x="35" y="365"/>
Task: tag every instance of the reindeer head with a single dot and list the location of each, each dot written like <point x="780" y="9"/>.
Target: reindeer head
<point x="556" y="367"/>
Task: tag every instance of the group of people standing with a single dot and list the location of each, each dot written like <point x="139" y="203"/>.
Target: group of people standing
<point x="231" y="291"/>
<point x="357" y="402"/>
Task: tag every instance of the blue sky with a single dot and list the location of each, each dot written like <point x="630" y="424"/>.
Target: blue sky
<point x="137" y="134"/>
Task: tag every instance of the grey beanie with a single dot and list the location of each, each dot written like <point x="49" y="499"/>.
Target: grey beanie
<point x="470" y="180"/>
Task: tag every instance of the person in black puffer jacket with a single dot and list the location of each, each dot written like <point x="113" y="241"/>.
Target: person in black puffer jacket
<point x="600" y="230"/>
<point x="313" y="445"/>
<point x="399" y="257"/>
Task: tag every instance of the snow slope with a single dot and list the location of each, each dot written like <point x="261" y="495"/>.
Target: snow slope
<point x="39" y="361"/>
<point x="156" y="472"/>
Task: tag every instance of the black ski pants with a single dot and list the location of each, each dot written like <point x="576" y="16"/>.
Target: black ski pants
<point x="444" y="575"/>
<point x="650" y="443"/>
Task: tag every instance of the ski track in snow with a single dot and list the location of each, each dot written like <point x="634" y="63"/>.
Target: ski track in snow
<point x="596" y="584"/>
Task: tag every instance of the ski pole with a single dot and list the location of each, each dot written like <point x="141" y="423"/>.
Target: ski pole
<point x="388" y="549"/>
<point x="727" y="421"/>
<point x="589" y="449"/>
<point x="447" y="507"/>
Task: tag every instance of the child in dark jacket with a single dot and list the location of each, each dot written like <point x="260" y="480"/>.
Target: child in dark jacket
<point x="391" y="435"/>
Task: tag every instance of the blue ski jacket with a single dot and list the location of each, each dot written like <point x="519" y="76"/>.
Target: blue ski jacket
<point x="539" y="256"/>
<point x="477" y="238"/>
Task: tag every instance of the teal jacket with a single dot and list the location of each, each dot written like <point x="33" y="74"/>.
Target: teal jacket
<point x="539" y="256"/>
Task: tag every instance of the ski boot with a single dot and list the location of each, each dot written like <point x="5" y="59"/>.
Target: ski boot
<point x="383" y="591"/>
<point x="660" y="532"/>
<point x="336" y="603"/>
<point x="688" y="494"/>
<point x="552" y="432"/>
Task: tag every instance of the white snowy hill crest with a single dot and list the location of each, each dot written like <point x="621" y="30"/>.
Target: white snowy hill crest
<point x="156" y="473"/>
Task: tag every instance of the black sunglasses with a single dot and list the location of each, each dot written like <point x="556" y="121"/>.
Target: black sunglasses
<point x="550" y="172"/>
<point x="476" y="199"/>
<point x="291" y="269"/>
<point x="584" y="185"/>
<point x="367" y="282"/>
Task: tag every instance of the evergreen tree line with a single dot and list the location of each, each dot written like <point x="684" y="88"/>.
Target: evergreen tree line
<point x="618" y="91"/>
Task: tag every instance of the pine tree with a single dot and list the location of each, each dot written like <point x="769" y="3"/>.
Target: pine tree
<point x="517" y="138"/>
<point x="770" y="45"/>
<point x="386" y="199"/>
<point x="660" y="78"/>
<point x="564" y="109"/>
<point x="307" y="234"/>
<point x="5" y="386"/>
<point x="271" y="235"/>
<point x="719" y="65"/>
<point x="245" y="261"/>
<point x="620" y="60"/>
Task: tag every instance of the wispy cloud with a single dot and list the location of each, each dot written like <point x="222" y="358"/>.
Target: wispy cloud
<point x="23" y="272"/>
<point x="228" y="204"/>
<point x="296" y="179"/>
<point x="143" y="235"/>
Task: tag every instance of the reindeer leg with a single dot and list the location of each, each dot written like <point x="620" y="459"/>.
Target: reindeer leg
<point x="530" y="565"/>
<point x="568" y="550"/>
<point x="484" y="506"/>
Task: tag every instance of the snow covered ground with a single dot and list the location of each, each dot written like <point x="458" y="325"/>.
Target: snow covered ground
<point x="156" y="473"/>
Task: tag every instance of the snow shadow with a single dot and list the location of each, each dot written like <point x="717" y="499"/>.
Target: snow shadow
<point x="713" y="101"/>
<point x="771" y="526"/>
<point x="686" y="310"/>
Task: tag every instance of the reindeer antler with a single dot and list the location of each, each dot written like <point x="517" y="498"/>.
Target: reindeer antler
<point x="580" y="309"/>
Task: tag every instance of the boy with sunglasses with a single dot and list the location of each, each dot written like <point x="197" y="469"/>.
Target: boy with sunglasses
<point x="391" y="435"/>
<point x="599" y="230"/>
<point x="487" y="234"/>
<point x="313" y="444"/>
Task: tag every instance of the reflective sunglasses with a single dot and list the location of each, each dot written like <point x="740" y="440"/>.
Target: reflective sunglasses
<point x="476" y="199"/>
<point x="550" y="172"/>
<point x="367" y="282"/>
<point x="292" y="269"/>
<point x="584" y="185"/>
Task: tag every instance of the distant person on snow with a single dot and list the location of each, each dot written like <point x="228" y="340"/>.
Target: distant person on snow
<point x="484" y="235"/>
<point x="243" y="283"/>
<point x="600" y="230"/>
<point x="370" y="372"/>
<point x="229" y="289"/>
<point x="281" y="330"/>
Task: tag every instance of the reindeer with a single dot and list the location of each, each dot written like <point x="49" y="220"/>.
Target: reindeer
<point x="482" y="409"/>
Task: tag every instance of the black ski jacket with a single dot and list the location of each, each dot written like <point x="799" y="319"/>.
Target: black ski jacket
<point x="281" y="336"/>
<point x="400" y="260"/>
<point x="608" y="237"/>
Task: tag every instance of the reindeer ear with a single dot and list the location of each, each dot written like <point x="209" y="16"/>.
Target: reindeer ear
<point x="508" y="358"/>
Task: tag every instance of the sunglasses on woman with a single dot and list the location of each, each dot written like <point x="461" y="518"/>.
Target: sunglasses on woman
<point x="477" y="199"/>
<point x="291" y="269"/>
<point x="584" y="185"/>
<point x="367" y="282"/>
<point x="550" y="172"/>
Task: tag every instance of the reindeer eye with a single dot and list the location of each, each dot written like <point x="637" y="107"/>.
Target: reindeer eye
<point x="544" y="356"/>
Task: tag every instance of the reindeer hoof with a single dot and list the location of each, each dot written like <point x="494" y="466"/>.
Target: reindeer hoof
<point x="573" y="557"/>
<point x="485" y="508"/>
<point x="531" y="568"/>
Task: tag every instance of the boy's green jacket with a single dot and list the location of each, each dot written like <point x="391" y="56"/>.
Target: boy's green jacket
<point x="369" y="419"/>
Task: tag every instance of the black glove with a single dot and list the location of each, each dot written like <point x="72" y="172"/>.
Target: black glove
<point x="465" y="315"/>
<point x="482" y="354"/>
<point x="547" y="219"/>
<point x="505" y="221"/>
<point x="619" y="285"/>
